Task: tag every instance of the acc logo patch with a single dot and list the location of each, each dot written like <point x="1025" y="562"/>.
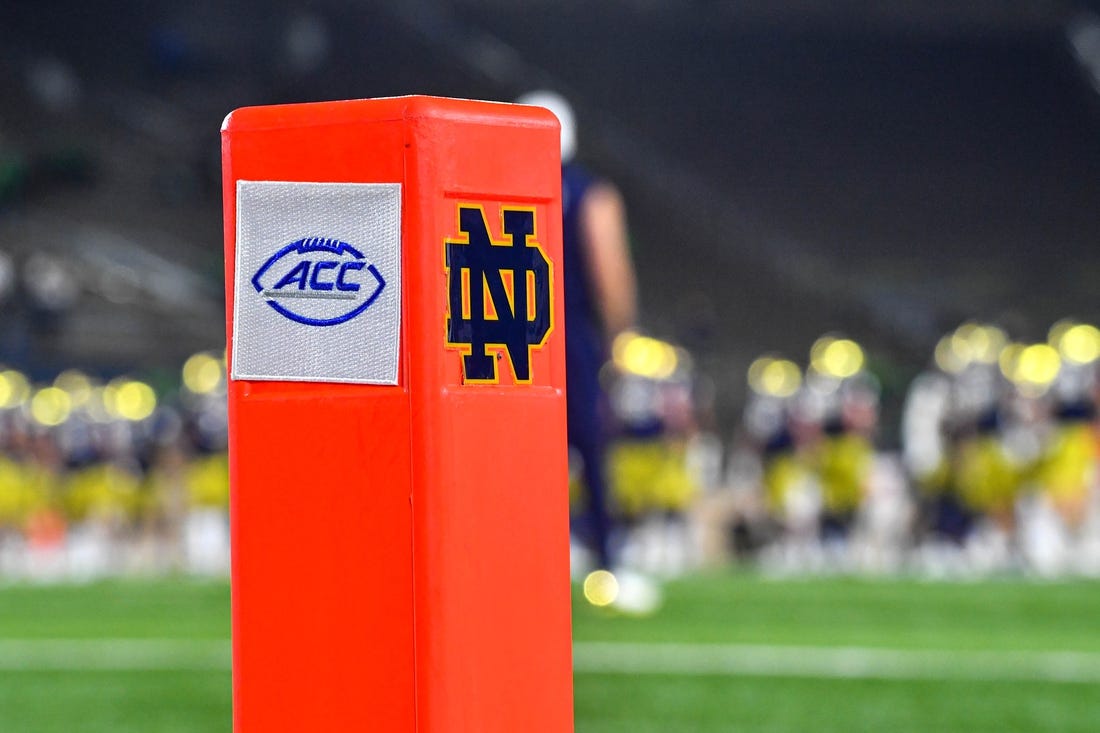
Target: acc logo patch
<point x="499" y="294"/>
<point x="318" y="281"/>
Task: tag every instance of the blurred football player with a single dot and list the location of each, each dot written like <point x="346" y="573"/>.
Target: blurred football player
<point x="1058" y="530"/>
<point x="600" y="302"/>
<point x="846" y="453"/>
<point x="650" y="480"/>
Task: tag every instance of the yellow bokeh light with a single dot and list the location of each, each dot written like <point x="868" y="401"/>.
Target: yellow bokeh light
<point x="817" y="351"/>
<point x="774" y="377"/>
<point x="1058" y="330"/>
<point x="51" y="406"/>
<point x="202" y="373"/>
<point x="618" y="346"/>
<point x="76" y="384"/>
<point x="1079" y="344"/>
<point x="644" y="356"/>
<point x="129" y="400"/>
<point x="840" y="358"/>
<point x="961" y="342"/>
<point x="970" y="343"/>
<point x="947" y="358"/>
<point x="109" y="397"/>
<point x="135" y="401"/>
<point x="984" y="343"/>
<point x="1009" y="359"/>
<point x="1036" y="365"/>
<point x="14" y="389"/>
<point x="601" y="588"/>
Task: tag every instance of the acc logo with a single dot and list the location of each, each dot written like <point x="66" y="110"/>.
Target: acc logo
<point x="499" y="293"/>
<point x="318" y="281"/>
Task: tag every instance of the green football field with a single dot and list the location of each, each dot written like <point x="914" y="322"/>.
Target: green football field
<point x="725" y="653"/>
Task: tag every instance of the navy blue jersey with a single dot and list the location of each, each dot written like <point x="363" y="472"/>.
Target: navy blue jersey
<point x="585" y="353"/>
<point x="583" y="329"/>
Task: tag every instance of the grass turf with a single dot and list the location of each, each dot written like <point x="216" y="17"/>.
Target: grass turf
<point x="1004" y="615"/>
<point x="621" y="704"/>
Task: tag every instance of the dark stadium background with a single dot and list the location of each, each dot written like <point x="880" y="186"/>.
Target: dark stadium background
<point x="887" y="170"/>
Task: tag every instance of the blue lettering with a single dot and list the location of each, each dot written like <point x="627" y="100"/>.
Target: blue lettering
<point x="298" y="275"/>
<point x="316" y="284"/>
<point x="340" y="283"/>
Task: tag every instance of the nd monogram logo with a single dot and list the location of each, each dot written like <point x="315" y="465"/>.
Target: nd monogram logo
<point x="499" y="293"/>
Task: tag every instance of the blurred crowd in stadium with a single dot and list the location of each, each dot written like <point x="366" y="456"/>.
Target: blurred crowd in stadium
<point x="108" y="479"/>
<point x="997" y="471"/>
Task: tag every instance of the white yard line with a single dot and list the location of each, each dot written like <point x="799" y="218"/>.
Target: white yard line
<point x="113" y="654"/>
<point x="833" y="662"/>
<point x="626" y="658"/>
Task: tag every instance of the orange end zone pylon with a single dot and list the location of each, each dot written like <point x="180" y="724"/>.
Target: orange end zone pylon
<point x="397" y="418"/>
